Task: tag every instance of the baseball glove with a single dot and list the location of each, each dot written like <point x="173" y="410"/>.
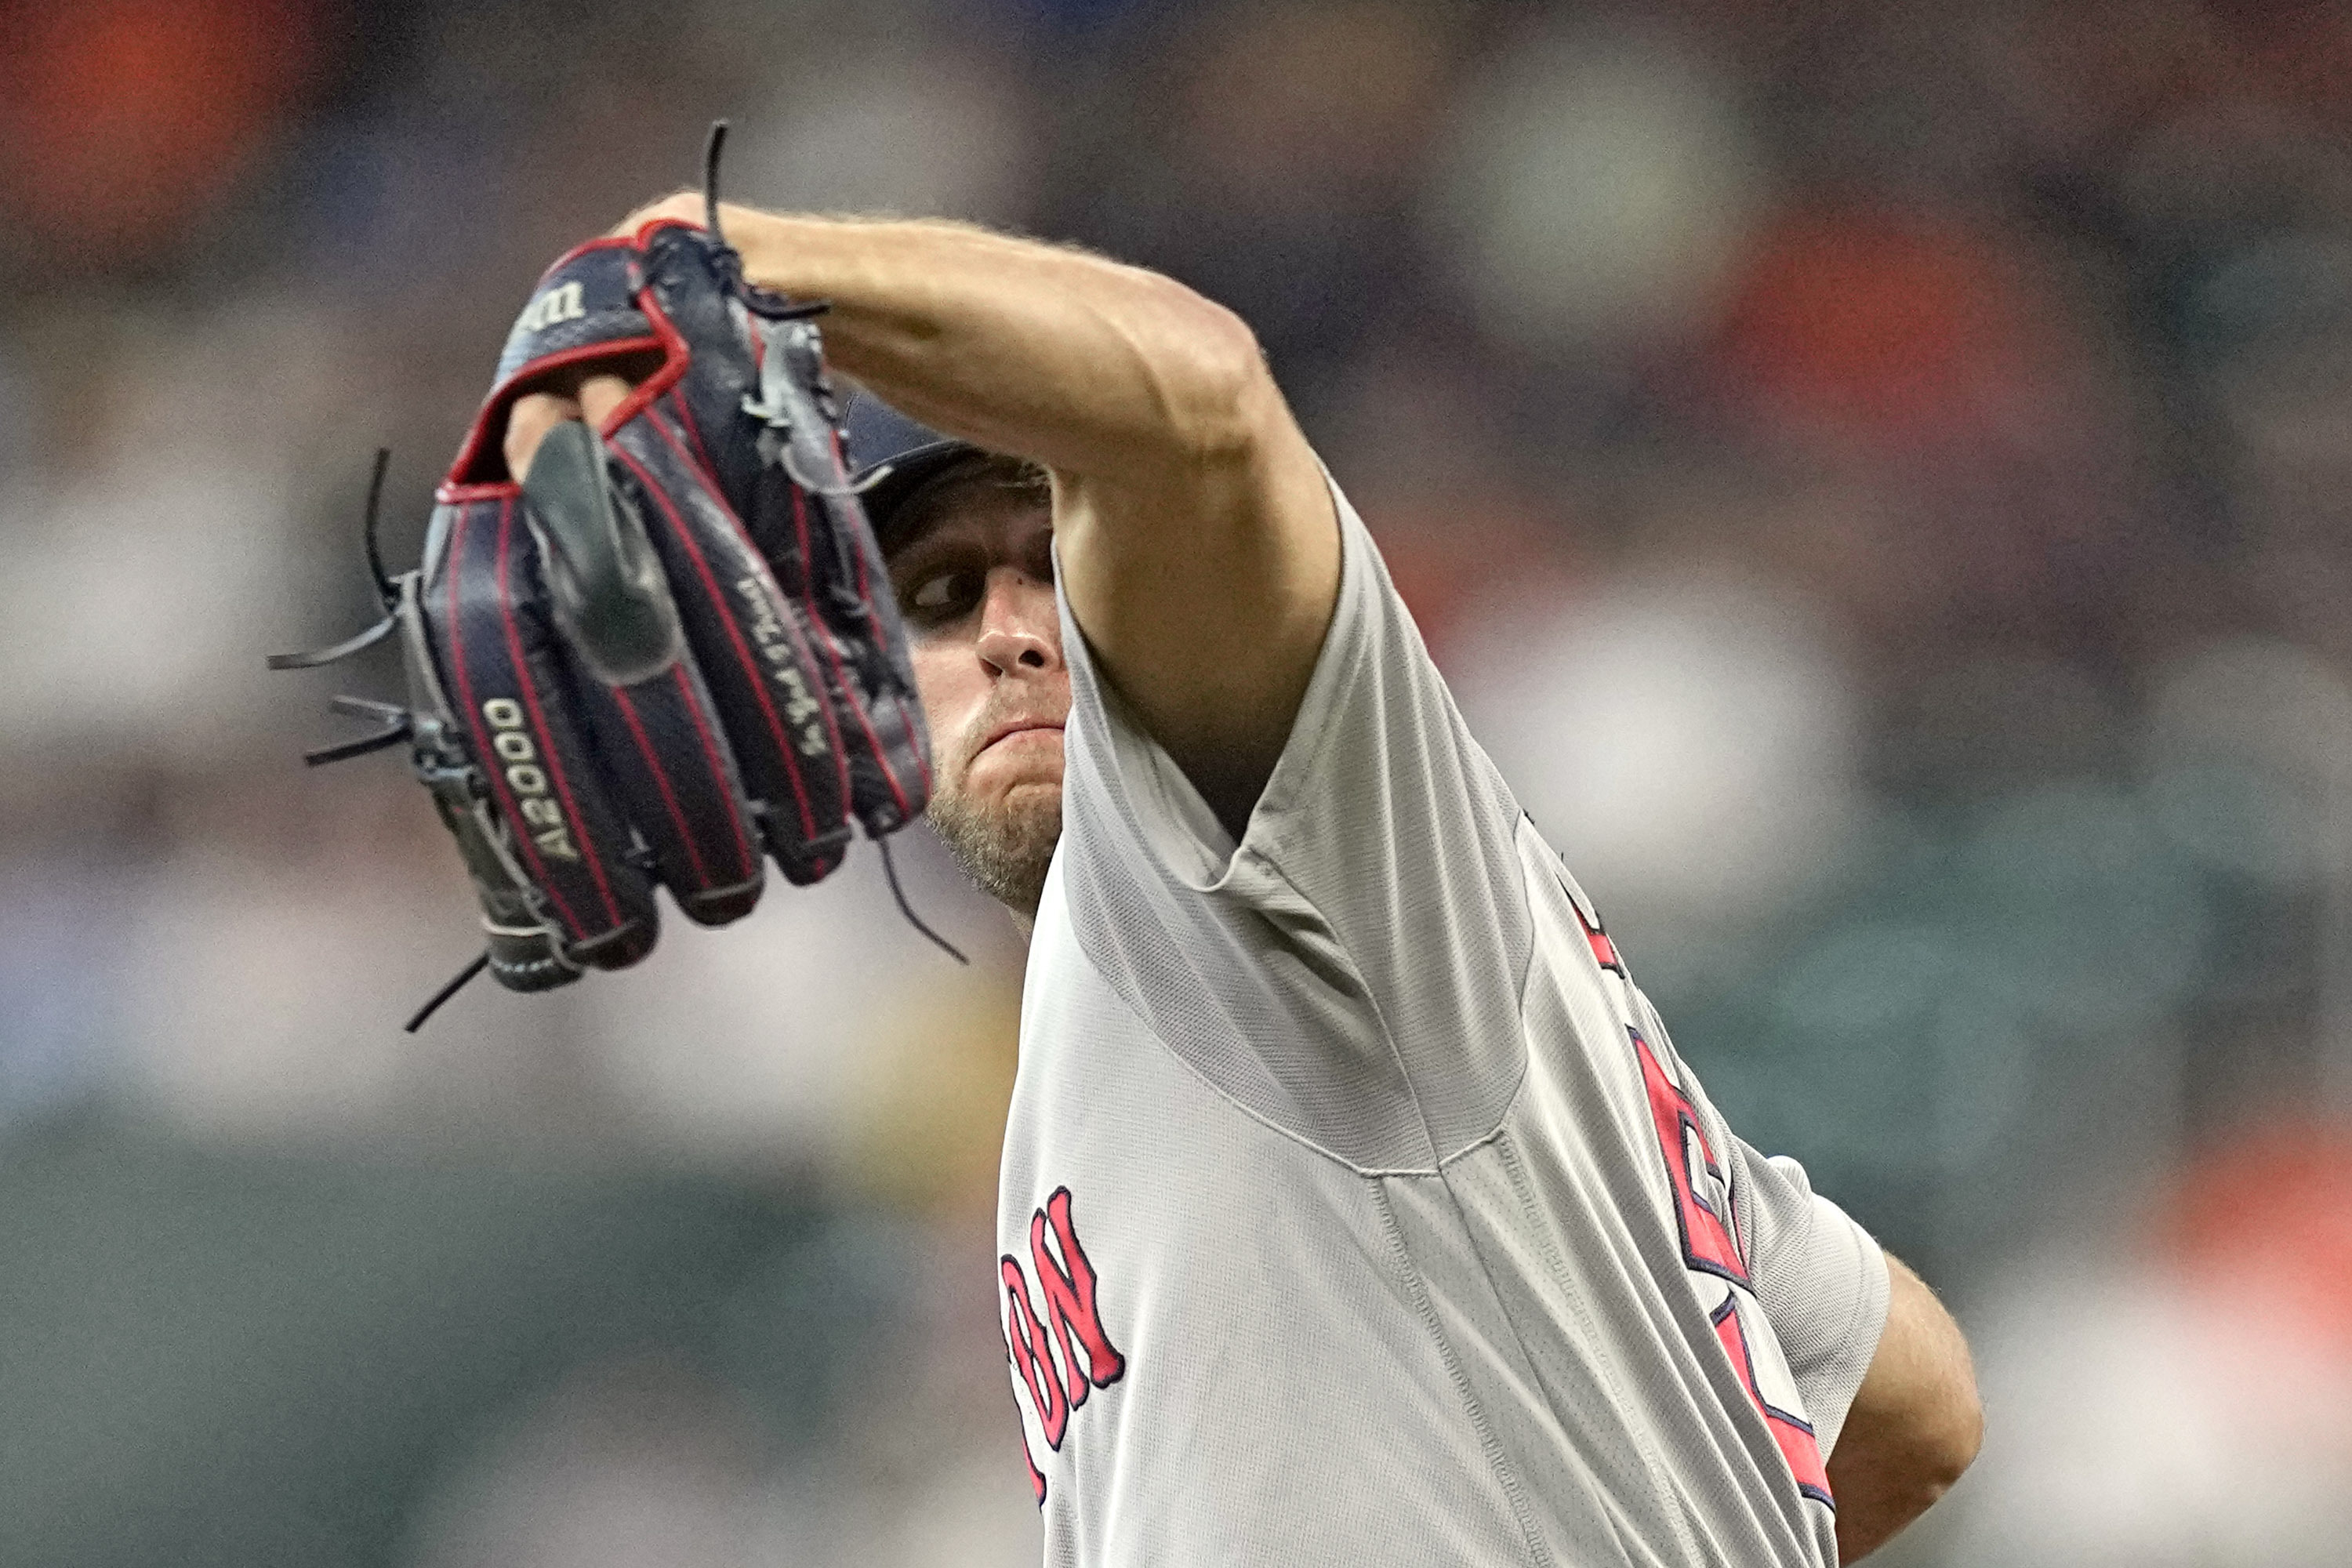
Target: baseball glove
<point x="670" y="652"/>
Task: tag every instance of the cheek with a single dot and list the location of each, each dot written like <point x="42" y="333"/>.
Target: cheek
<point x="954" y="686"/>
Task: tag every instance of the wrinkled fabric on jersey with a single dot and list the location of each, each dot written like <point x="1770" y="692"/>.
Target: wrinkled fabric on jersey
<point x="1356" y="1208"/>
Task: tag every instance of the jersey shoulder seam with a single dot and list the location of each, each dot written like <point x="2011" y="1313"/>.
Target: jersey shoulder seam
<point x="1438" y="1155"/>
<point x="1269" y="1123"/>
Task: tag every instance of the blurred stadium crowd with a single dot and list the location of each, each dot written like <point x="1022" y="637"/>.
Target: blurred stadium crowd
<point x="1876" y="474"/>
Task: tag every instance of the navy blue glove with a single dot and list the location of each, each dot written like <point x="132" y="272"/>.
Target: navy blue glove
<point x="673" y="652"/>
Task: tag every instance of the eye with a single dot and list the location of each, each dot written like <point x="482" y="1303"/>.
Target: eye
<point x="938" y="595"/>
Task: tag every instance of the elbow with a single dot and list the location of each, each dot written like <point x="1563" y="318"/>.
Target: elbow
<point x="1961" y="1439"/>
<point x="1942" y="1449"/>
<point x="1898" y="1457"/>
<point x="1217" y="395"/>
<point x="1928" y="1384"/>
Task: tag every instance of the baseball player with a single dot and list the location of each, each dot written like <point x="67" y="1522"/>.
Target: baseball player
<point x="1355" y="1207"/>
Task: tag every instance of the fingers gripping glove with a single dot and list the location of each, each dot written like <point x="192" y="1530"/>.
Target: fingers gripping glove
<point x="672" y="649"/>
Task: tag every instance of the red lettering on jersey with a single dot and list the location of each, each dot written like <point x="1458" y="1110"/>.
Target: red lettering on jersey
<point x="1796" y="1440"/>
<point x="1070" y="1300"/>
<point x="1070" y="1318"/>
<point x="1703" y="1211"/>
<point x="1702" y="1192"/>
<point x="1033" y="1355"/>
<point x="1604" y="952"/>
<point x="1036" y="1476"/>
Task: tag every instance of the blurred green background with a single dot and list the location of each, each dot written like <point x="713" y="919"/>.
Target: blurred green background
<point x="1875" y="474"/>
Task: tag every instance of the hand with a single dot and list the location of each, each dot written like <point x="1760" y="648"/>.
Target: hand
<point x="535" y="414"/>
<point x="594" y="397"/>
<point x="686" y="206"/>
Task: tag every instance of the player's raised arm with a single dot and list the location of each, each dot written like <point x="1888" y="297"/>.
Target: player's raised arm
<point x="1199" y="546"/>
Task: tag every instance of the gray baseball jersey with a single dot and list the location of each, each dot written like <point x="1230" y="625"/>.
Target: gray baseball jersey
<point x="1356" y="1208"/>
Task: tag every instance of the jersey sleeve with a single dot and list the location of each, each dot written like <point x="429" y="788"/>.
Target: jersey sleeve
<point x="1821" y="1280"/>
<point x="1350" y="970"/>
<point x="1818" y="1276"/>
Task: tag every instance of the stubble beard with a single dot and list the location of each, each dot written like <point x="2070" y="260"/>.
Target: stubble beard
<point x="1006" y="848"/>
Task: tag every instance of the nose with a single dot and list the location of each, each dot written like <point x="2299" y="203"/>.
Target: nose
<point x="1020" y="625"/>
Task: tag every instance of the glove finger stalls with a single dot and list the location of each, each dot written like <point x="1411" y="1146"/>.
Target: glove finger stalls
<point x="483" y="601"/>
<point x="690" y="426"/>
<point x="605" y="587"/>
<point x="656" y="732"/>
<point x="884" y="739"/>
<point x="682" y="296"/>
<point x="660" y="744"/>
<point x="824" y="549"/>
<point x="753" y="649"/>
<point x="523" y="952"/>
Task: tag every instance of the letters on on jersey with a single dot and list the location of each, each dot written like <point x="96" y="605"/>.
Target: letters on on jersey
<point x="1064" y="1318"/>
<point x="1712" y="1253"/>
<point x="1711" y="1249"/>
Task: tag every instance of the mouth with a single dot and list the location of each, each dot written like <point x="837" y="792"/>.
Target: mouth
<point x="1015" y="728"/>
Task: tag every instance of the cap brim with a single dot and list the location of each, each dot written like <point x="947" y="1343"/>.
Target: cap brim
<point x="885" y="487"/>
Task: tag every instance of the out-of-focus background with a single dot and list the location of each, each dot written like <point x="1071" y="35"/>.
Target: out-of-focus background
<point x="1875" y="473"/>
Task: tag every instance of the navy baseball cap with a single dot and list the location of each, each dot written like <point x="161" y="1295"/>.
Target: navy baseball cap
<point x="891" y="457"/>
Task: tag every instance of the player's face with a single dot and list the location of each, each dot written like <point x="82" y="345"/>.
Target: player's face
<point x="975" y="581"/>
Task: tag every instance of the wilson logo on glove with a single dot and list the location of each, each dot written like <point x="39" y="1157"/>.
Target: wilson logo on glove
<point x="609" y="686"/>
<point x="561" y="303"/>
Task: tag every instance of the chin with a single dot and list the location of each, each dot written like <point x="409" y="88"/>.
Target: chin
<point x="1004" y="842"/>
<point x="1026" y="790"/>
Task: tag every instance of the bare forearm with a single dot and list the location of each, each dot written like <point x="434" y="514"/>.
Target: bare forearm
<point x="1879" y="1496"/>
<point x="1915" y="1425"/>
<point x="1088" y="366"/>
<point x="1198" y="544"/>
